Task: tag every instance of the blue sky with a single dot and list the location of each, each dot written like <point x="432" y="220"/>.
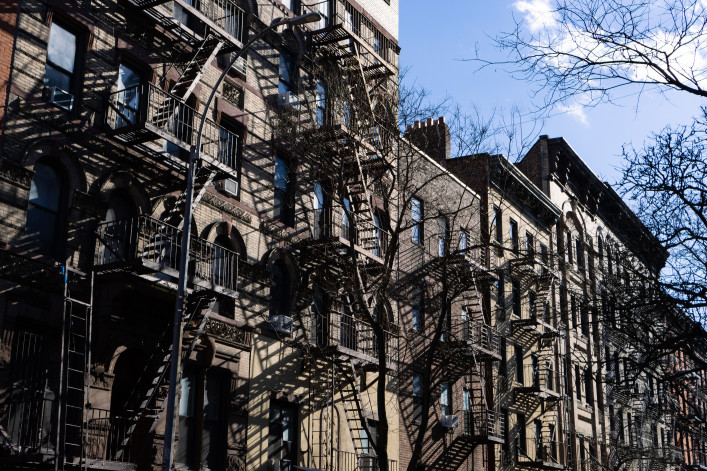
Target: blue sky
<point x="435" y="40"/>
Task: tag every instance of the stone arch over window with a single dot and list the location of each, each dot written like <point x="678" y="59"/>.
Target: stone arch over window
<point x="130" y="192"/>
<point x="226" y="235"/>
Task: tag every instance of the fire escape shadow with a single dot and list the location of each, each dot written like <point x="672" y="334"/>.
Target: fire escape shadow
<point x="454" y="456"/>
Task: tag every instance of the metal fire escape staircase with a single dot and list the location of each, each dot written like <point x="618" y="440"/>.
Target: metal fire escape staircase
<point x="149" y="409"/>
<point x="357" y="408"/>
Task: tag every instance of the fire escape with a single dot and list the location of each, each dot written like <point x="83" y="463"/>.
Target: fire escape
<point x="160" y="125"/>
<point x="347" y="132"/>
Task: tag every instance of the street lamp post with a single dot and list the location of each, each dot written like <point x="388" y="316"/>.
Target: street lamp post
<point x="175" y="360"/>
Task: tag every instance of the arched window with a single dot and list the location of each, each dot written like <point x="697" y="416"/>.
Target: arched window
<point x="119" y="239"/>
<point x="45" y="212"/>
<point x="280" y="289"/>
<point x="223" y="262"/>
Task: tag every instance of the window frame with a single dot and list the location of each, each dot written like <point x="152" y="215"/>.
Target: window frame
<point x="283" y="197"/>
<point x="73" y="76"/>
<point x="513" y="234"/>
<point x="59" y="214"/>
<point x="417" y="217"/>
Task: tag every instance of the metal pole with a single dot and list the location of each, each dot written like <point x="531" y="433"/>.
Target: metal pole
<point x="175" y="360"/>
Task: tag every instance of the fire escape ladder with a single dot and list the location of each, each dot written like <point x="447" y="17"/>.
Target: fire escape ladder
<point x="164" y="348"/>
<point x="75" y="360"/>
<point x="355" y="407"/>
<point x="203" y="57"/>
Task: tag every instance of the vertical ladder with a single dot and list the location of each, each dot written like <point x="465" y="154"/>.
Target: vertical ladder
<point x="75" y="359"/>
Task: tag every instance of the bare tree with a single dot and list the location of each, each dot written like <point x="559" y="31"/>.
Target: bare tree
<point x="591" y="48"/>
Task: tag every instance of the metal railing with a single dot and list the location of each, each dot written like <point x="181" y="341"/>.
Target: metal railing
<point x="160" y="112"/>
<point x="539" y="377"/>
<point x="343" y="330"/>
<point x="349" y="461"/>
<point x="540" y="450"/>
<point x="482" y="422"/>
<point x="145" y="239"/>
<point x="365" y="235"/>
<point x="28" y="419"/>
<point x="481" y="335"/>
<point x="105" y="436"/>
<point x="226" y="14"/>
<point x="345" y="14"/>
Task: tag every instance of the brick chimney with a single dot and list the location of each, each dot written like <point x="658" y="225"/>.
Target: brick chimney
<point x="432" y="136"/>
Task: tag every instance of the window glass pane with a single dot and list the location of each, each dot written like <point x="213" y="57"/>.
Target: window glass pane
<point x="280" y="174"/>
<point x="417" y="385"/>
<point x="45" y="190"/>
<point x="285" y="72"/>
<point x="318" y="196"/>
<point x="54" y="77"/>
<point x="186" y="400"/>
<point x="62" y="48"/>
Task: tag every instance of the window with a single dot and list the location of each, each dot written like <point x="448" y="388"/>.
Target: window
<point x="345" y="226"/>
<point x="578" y="382"/>
<point x="532" y="305"/>
<point x="280" y="289"/>
<point x="446" y="324"/>
<point x="293" y="5"/>
<point x="417" y="215"/>
<point x="445" y="399"/>
<point x="442" y="237"/>
<point x="515" y="292"/>
<point x="513" y="227"/>
<point x="573" y="309"/>
<point x="518" y="353"/>
<point x="417" y="388"/>
<point x="61" y="70"/>
<point x="506" y="436"/>
<point x="498" y="218"/>
<point x="463" y="242"/>
<point x="46" y="210"/>
<point x="501" y="295"/>
<point x="286" y="72"/>
<point x="320" y="103"/>
<point x="538" y="438"/>
<point x="600" y="253"/>
<point x="187" y="19"/>
<point x="228" y="149"/>
<point x="568" y="244"/>
<point x="320" y="203"/>
<point x="117" y="244"/>
<point x="529" y="244"/>
<point x="202" y="424"/>
<point x="128" y="95"/>
<point x="282" y="435"/>
<point x="521" y="444"/>
<point x="579" y="253"/>
<point x="223" y="262"/>
<point x="466" y="325"/>
<point x="324" y="12"/>
<point x="584" y="314"/>
<point x="544" y="257"/>
<point x="535" y="370"/>
<point x="380" y="241"/>
<point x="416" y="310"/>
<point x="588" y="389"/>
<point x="503" y="367"/>
<point x="283" y="205"/>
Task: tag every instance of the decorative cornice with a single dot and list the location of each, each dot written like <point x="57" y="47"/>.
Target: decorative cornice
<point x="14" y="173"/>
<point x="217" y="203"/>
<point x="230" y="333"/>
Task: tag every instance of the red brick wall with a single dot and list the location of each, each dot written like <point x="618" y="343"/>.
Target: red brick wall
<point x="8" y="26"/>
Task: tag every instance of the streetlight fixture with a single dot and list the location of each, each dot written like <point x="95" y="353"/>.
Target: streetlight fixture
<point x="175" y="360"/>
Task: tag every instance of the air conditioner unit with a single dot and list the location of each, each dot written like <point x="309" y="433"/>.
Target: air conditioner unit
<point x="288" y="100"/>
<point x="228" y="185"/>
<point x="281" y="324"/>
<point x="450" y="421"/>
<point x="241" y="65"/>
<point x="59" y="97"/>
<point x="285" y="465"/>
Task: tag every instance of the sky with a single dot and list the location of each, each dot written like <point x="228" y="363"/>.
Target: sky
<point x="435" y="41"/>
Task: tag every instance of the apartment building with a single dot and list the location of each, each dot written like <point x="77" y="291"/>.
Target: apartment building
<point x="104" y="103"/>
<point x="583" y="381"/>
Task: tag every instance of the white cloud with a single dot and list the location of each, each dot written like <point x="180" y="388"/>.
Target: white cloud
<point x="576" y="111"/>
<point x="539" y="14"/>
